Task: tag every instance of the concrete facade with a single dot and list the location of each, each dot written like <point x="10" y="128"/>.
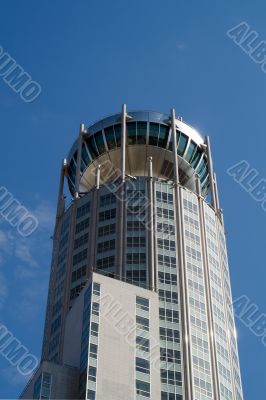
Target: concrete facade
<point x="139" y="296"/>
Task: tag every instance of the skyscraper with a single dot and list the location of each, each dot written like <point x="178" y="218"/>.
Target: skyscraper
<point x="139" y="303"/>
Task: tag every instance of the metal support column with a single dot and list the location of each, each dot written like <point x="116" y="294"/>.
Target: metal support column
<point x="93" y="222"/>
<point x="151" y="272"/>
<point x="80" y="141"/>
<point x="181" y="268"/>
<point x="60" y="198"/>
<point x="123" y="143"/>
<point x="121" y="203"/>
<point x="98" y="176"/>
<point x="206" y="268"/>
<point x="211" y="174"/>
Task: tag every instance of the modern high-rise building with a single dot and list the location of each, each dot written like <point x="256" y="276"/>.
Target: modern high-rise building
<point x="139" y="304"/>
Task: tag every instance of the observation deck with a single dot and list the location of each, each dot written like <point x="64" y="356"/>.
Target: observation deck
<point x="147" y="134"/>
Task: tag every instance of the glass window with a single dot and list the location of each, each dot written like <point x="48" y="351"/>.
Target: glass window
<point x="171" y="141"/>
<point x="95" y="308"/>
<point x="131" y="133"/>
<point x="190" y="152"/>
<point x="142" y="365"/>
<point x="142" y="304"/>
<point x="163" y="136"/>
<point x="91" y="395"/>
<point x="201" y="166"/>
<point x="100" y="142"/>
<point x="92" y="147"/>
<point x="117" y="129"/>
<point x="203" y="174"/>
<point x="153" y="134"/>
<point x="196" y="157"/>
<point x="92" y="374"/>
<point x="182" y="143"/>
<point x="143" y="388"/>
<point x="110" y="137"/>
<point x="143" y="344"/>
<point x="141" y="132"/>
<point x="96" y="288"/>
<point x="142" y="323"/>
<point x="94" y="329"/>
<point x="84" y="155"/>
<point x="205" y="187"/>
<point x="93" y="350"/>
<point x="72" y="171"/>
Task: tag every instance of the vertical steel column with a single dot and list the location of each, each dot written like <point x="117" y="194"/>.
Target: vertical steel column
<point x="123" y="143"/>
<point x="98" y="176"/>
<point x="210" y="164"/>
<point x="198" y="186"/>
<point x="184" y="314"/>
<point x="151" y="273"/>
<point x="93" y="223"/>
<point x="60" y="198"/>
<point x="226" y="312"/>
<point x="174" y="145"/>
<point x="121" y="214"/>
<point x="206" y="268"/>
<point x="80" y="141"/>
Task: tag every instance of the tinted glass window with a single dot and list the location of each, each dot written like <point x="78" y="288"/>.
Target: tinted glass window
<point x="204" y="173"/>
<point x="196" y="157"/>
<point x="141" y="132"/>
<point x="171" y="141"/>
<point x="200" y="167"/>
<point x="117" y="129"/>
<point x="92" y="147"/>
<point x="100" y="142"/>
<point x="154" y="133"/>
<point x="131" y="133"/>
<point x="163" y="136"/>
<point x="182" y="143"/>
<point x="84" y="155"/>
<point x="72" y="171"/>
<point x="110" y="137"/>
<point x="190" y="152"/>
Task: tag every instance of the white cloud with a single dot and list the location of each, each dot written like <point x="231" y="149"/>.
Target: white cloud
<point x="23" y="252"/>
<point x="12" y="376"/>
<point x="5" y="241"/>
<point x="3" y="290"/>
<point x="22" y="271"/>
<point x="45" y="214"/>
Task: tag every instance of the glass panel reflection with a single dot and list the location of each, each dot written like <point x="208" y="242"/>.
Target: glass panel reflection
<point x="110" y="137"/>
<point x="154" y="133"/>
<point x="182" y="143"/>
<point x="141" y="132"/>
<point x="131" y="133"/>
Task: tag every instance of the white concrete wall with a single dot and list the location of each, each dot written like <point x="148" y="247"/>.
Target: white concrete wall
<point x="117" y="350"/>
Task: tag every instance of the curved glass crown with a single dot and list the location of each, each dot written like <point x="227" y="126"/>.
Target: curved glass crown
<point x="148" y="134"/>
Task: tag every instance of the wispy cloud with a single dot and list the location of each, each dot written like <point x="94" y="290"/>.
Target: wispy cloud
<point x="12" y="376"/>
<point x="23" y="272"/>
<point x="23" y="252"/>
<point x="45" y="212"/>
<point x="3" y="290"/>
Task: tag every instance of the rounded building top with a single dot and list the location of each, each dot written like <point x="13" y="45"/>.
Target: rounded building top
<point x="148" y="134"/>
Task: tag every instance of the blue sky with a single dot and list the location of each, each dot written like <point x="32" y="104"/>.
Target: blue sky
<point x="91" y="56"/>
